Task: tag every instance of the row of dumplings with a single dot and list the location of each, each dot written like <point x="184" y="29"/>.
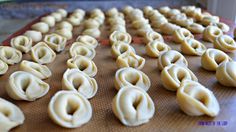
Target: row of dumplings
<point x="116" y="20"/>
<point x="131" y="105"/>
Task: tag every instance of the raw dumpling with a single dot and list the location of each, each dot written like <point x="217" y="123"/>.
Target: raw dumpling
<point x="181" y="34"/>
<point x="119" y="48"/>
<point x="88" y="40"/>
<point x="172" y="76"/>
<point x="40" y="71"/>
<point x="212" y="58"/>
<point x="84" y="64"/>
<point x="50" y="20"/>
<point x="120" y="36"/>
<point x="155" y="48"/>
<point x="10" y="115"/>
<point x="36" y="36"/>
<point x="133" y="106"/>
<point x="171" y="57"/>
<point x="10" y="55"/>
<point x="130" y="59"/>
<point x="226" y="74"/>
<point x="69" y="109"/>
<point x="76" y="80"/>
<point x="25" y="86"/>
<point x="196" y="100"/>
<point x="55" y="41"/>
<point x="225" y="43"/>
<point x="129" y="76"/>
<point x="22" y="43"/>
<point x="3" y="67"/>
<point x="41" y="27"/>
<point x="210" y="33"/>
<point x="42" y="54"/>
<point x="151" y="36"/>
<point x="192" y="47"/>
<point x="82" y="49"/>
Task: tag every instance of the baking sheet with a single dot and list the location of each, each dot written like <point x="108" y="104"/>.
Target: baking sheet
<point x="168" y="116"/>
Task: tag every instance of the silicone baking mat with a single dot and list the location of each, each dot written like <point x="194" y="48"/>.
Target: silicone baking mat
<point x="168" y="116"/>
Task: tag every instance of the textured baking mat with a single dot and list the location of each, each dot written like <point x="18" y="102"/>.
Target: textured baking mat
<point x="168" y="116"/>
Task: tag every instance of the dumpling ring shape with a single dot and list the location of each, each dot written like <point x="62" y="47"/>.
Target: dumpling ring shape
<point x="10" y="55"/>
<point x="79" y="48"/>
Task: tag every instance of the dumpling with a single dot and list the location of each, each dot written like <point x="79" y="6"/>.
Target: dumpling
<point x="3" y="67"/>
<point x="42" y="54"/>
<point x="196" y="100"/>
<point x="65" y="32"/>
<point x="10" y="115"/>
<point x="151" y="36"/>
<point x="225" y="43"/>
<point x="82" y="49"/>
<point x="36" y="36"/>
<point x="69" y="109"/>
<point x="84" y="64"/>
<point x="192" y="47"/>
<point x="88" y="40"/>
<point x="40" y="71"/>
<point x="50" y="20"/>
<point x="168" y="28"/>
<point x="226" y="74"/>
<point x="64" y="24"/>
<point x="41" y="27"/>
<point x="94" y="32"/>
<point x="155" y="48"/>
<point x="181" y="34"/>
<point x="133" y="106"/>
<point x="55" y="41"/>
<point x="172" y="76"/>
<point x="25" y="86"/>
<point x="130" y="59"/>
<point x="119" y="48"/>
<point x="22" y="43"/>
<point x="76" y="80"/>
<point x="171" y="57"/>
<point x="120" y="36"/>
<point x="196" y="28"/>
<point x="129" y="76"/>
<point x="212" y="58"/>
<point x="10" y="55"/>
<point x="210" y="33"/>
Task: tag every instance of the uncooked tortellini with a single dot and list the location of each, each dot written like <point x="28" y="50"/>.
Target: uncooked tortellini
<point x="22" y="43"/>
<point x="41" y="27"/>
<point x="79" y="48"/>
<point x="212" y="58"/>
<point x="10" y="115"/>
<point x="196" y="28"/>
<point x="69" y="109"/>
<point x="42" y="54"/>
<point x="25" y="86"/>
<point x="192" y="47"/>
<point x="3" y="67"/>
<point x="84" y="64"/>
<point x="55" y="41"/>
<point x="10" y="55"/>
<point x="152" y="35"/>
<point x="226" y="74"/>
<point x="40" y="71"/>
<point x="133" y="106"/>
<point x="36" y="36"/>
<point x="88" y="40"/>
<point x="76" y="80"/>
<point x="129" y="76"/>
<point x="119" y="48"/>
<point x="120" y="36"/>
<point x="181" y="34"/>
<point x="168" y="28"/>
<point x="155" y="48"/>
<point x="130" y="59"/>
<point x="171" y="57"/>
<point x="196" y="100"/>
<point x="210" y="33"/>
<point x="172" y="76"/>
<point x="225" y="43"/>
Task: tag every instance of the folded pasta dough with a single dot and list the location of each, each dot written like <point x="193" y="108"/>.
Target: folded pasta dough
<point x="3" y="67"/>
<point x="22" y="85"/>
<point x="226" y="74"/>
<point x="133" y="106"/>
<point x="42" y="54"/>
<point x="41" y="27"/>
<point x="210" y="33"/>
<point x="129" y="76"/>
<point x="55" y="41"/>
<point x="94" y="32"/>
<point x="84" y="64"/>
<point x="168" y="28"/>
<point x="65" y="32"/>
<point x="130" y="59"/>
<point x="63" y="12"/>
<point x="10" y="115"/>
<point x="36" y="36"/>
<point x="40" y="71"/>
<point x="22" y="43"/>
<point x="208" y="20"/>
<point x="172" y="76"/>
<point x="181" y="34"/>
<point x="222" y="26"/>
<point x="64" y="24"/>
<point x="171" y="57"/>
<point x="82" y="49"/>
<point x="120" y="36"/>
<point x="151" y="36"/>
<point x="58" y="16"/>
<point x="155" y="48"/>
<point x="50" y="20"/>
<point x="119" y="48"/>
<point x="69" y="109"/>
<point x="212" y="58"/>
<point x="88" y="40"/>
<point x="225" y="43"/>
<point x="196" y="100"/>
<point x="10" y="55"/>
<point x="195" y="28"/>
<point x="192" y="47"/>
